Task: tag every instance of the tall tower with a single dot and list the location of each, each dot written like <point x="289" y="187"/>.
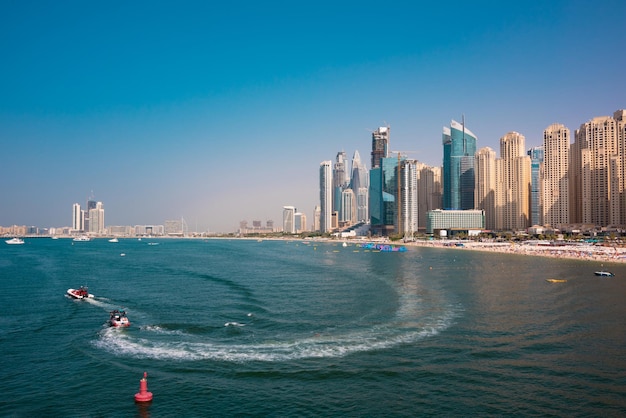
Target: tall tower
<point x="340" y="181"/>
<point x="77" y="217"/>
<point x="429" y="191"/>
<point x="514" y="182"/>
<point x="536" y="155"/>
<point x="380" y="145"/>
<point x="600" y="148"/>
<point x="486" y="185"/>
<point x="556" y="139"/>
<point x="326" y="196"/>
<point x="408" y="199"/>
<point x="289" y="219"/>
<point x="459" y="147"/>
<point x="359" y="183"/>
<point x="96" y="219"/>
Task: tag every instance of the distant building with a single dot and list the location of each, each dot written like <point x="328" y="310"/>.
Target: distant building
<point x="408" y="199"/>
<point x="380" y="145"/>
<point x="454" y="220"/>
<point x="536" y="155"/>
<point x="326" y="196"/>
<point x="556" y="146"/>
<point x="300" y="220"/>
<point x="289" y="219"/>
<point x="174" y="228"/>
<point x="486" y="184"/>
<point x="429" y="192"/>
<point x="359" y="183"/>
<point x="78" y="218"/>
<point x="316" y="218"/>
<point x="514" y="192"/>
<point x="459" y="147"/>
<point x="96" y="219"/>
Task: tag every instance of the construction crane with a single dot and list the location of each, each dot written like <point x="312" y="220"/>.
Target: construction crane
<point x="399" y="190"/>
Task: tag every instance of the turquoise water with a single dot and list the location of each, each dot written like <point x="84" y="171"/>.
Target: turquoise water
<point x="277" y="328"/>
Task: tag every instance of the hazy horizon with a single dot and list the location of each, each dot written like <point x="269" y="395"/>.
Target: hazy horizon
<point x="222" y="113"/>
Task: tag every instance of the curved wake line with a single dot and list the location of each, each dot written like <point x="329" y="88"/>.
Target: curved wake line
<point x="121" y="343"/>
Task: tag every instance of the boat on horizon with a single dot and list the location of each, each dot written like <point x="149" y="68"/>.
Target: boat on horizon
<point x="114" y="240"/>
<point x="80" y="293"/>
<point x="82" y="238"/>
<point x="15" y="241"/>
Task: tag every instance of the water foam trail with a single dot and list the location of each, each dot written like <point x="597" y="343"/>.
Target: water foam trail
<point x="320" y="346"/>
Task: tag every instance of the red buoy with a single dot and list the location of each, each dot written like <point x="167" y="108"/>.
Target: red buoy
<point x="143" y="395"/>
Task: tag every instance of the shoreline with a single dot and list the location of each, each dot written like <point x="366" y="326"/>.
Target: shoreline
<point x="567" y="251"/>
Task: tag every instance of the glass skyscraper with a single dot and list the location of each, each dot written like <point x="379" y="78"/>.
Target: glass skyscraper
<point x="459" y="147"/>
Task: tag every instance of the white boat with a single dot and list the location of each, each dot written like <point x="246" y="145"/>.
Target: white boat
<point x="80" y="293"/>
<point x="114" y="240"/>
<point x="118" y="319"/>
<point x="15" y="241"/>
<point x="82" y="238"/>
<point x="604" y="273"/>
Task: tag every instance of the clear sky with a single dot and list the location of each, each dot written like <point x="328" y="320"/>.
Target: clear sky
<point x="222" y="112"/>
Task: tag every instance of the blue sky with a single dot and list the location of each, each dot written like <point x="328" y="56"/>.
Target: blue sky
<point x="222" y="112"/>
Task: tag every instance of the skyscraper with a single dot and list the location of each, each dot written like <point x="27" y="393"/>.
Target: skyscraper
<point x="429" y="192"/>
<point x="556" y="143"/>
<point x="536" y="155"/>
<point x="96" y="219"/>
<point x="514" y="199"/>
<point x="340" y="181"/>
<point x="383" y="192"/>
<point x="380" y="145"/>
<point x="77" y="217"/>
<point x="289" y="219"/>
<point x="486" y="184"/>
<point x="598" y="168"/>
<point x="359" y="183"/>
<point x="459" y="147"/>
<point x="326" y="196"/>
<point x="408" y="199"/>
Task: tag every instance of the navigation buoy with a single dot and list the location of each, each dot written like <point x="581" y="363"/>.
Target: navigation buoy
<point x="143" y="395"/>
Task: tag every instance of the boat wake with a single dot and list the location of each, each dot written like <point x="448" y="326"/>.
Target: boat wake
<point x="186" y="348"/>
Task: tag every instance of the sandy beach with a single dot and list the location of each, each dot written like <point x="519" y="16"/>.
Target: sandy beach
<point x="575" y="251"/>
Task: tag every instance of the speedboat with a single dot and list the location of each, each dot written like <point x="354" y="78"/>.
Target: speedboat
<point x="604" y="273"/>
<point x="82" y="238"/>
<point x="119" y="319"/>
<point x="556" y="280"/>
<point x="15" y="241"/>
<point x="81" y="293"/>
<point x="114" y="240"/>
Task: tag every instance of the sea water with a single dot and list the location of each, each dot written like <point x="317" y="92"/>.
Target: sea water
<point x="294" y="328"/>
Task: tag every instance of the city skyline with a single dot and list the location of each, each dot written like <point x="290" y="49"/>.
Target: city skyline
<point x="225" y="122"/>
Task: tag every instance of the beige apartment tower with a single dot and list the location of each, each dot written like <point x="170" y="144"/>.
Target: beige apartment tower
<point x="485" y="191"/>
<point x="597" y="171"/>
<point x="513" y="197"/>
<point x="555" y="182"/>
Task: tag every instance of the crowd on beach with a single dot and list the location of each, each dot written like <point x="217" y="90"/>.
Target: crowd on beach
<point x="582" y="251"/>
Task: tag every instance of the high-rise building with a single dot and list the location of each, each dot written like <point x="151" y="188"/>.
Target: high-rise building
<point x="326" y="196"/>
<point x="289" y="219"/>
<point x="407" y="208"/>
<point x="486" y="185"/>
<point x="459" y="147"/>
<point x="429" y="192"/>
<point x="300" y="220"/>
<point x="598" y="168"/>
<point x="556" y="143"/>
<point x="359" y="183"/>
<point x="96" y="219"/>
<point x="348" y="204"/>
<point x="383" y="192"/>
<point x="77" y="218"/>
<point x="340" y="181"/>
<point x="536" y="155"/>
<point x="317" y="211"/>
<point x="380" y="145"/>
<point x="514" y="202"/>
